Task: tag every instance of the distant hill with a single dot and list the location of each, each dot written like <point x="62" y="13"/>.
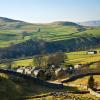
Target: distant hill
<point x="91" y="23"/>
<point x="64" y="23"/>
<point x="22" y="38"/>
<point x="7" y="23"/>
<point x="4" y="19"/>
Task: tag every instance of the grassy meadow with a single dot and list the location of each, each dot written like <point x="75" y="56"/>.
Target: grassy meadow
<point x="80" y="57"/>
<point x="12" y="32"/>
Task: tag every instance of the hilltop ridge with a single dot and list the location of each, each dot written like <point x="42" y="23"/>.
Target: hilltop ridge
<point x="95" y="23"/>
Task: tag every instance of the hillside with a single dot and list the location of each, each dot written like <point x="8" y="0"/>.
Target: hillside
<point x="18" y="37"/>
<point x="64" y="23"/>
<point x="7" y="23"/>
<point x="91" y="23"/>
<point x="26" y="89"/>
<point x="4" y="19"/>
<point x="31" y="47"/>
<point x="22" y="88"/>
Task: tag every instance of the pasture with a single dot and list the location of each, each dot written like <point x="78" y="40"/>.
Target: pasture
<point x="80" y="57"/>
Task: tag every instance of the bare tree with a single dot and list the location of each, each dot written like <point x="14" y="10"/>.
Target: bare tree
<point x="40" y="61"/>
<point x="57" y="58"/>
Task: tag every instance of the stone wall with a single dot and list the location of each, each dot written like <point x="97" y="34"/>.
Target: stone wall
<point x="93" y="92"/>
<point x="35" y="80"/>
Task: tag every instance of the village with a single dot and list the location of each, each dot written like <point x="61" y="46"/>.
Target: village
<point x="52" y="72"/>
<point x="57" y="67"/>
<point x="49" y="49"/>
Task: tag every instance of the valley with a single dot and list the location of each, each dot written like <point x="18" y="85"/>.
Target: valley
<point x="43" y="61"/>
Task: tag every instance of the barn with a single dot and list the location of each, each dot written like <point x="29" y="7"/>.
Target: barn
<point x="92" y="52"/>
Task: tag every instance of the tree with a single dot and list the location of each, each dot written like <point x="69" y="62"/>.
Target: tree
<point x="38" y="30"/>
<point x="9" y="64"/>
<point x="40" y="60"/>
<point x="57" y="58"/>
<point x="91" y="82"/>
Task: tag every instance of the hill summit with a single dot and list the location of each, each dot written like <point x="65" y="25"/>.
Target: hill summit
<point x="64" y="23"/>
<point x="95" y="23"/>
<point x="4" y="19"/>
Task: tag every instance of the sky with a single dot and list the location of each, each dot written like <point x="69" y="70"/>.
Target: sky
<point x="45" y="11"/>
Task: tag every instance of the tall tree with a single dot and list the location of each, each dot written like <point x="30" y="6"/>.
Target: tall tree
<point x="57" y="58"/>
<point x="91" y="82"/>
<point x="9" y="64"/>
<point x="40" y="60"/>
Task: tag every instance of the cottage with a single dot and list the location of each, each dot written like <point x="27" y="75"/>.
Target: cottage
<point x="21" y="70"/>
<point x="92" y="52"/>
<point x="70" y="69"/>
<point x="51" y="66"/>
<point x="39" y="73"/>
<point x="78" y="66"/>
<point x="60" y="72"/>
<point x="48" y="75"/>
<point x="25" y="70"/>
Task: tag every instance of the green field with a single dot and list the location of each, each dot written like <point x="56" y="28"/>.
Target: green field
<point x="47" y="33"/>
<point x="80" y="57"/>
<point x="12" y="32"/>
<point x="17" y="32"/>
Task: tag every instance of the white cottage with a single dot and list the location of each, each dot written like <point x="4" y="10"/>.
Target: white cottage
<point x="78" y="66"/>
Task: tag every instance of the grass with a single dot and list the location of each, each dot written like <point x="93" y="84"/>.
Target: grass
<point x="23" y="88"/>
<point x="89" y="32"/>
<point x="20" y="88"/>
<point x="5" y="86"/>
<point x="81" y="57"/>
<point x="26" y="62"/>
<point x="84" y="81"/>
<point x="47" y="32"/>
<point x="73" y="58"/>
<point x="68" y="96"/>
<point x="14" y="36"/>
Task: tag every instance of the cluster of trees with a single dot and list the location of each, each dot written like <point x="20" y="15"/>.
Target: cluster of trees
<point x="55" y="59"/>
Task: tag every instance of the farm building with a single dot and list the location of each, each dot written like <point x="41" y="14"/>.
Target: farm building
<point x="92" y="52"/>
<point x="39" y="73"/>
<point x="60" y="72"/>
<point x="20" y="70"/>
<point x="78" y="66"/>
<point x="70" y="69"/>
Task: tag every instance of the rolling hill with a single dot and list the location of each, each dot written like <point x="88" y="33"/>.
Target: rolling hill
<point x="64" y="23"/>
<point x="91" y="23"/>
<point x="4" y="19"/>
<point x="22" y="88"/>
<point x="18" y="38"/>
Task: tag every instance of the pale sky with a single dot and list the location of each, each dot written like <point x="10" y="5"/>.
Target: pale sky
<point x="43" y="11"/>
